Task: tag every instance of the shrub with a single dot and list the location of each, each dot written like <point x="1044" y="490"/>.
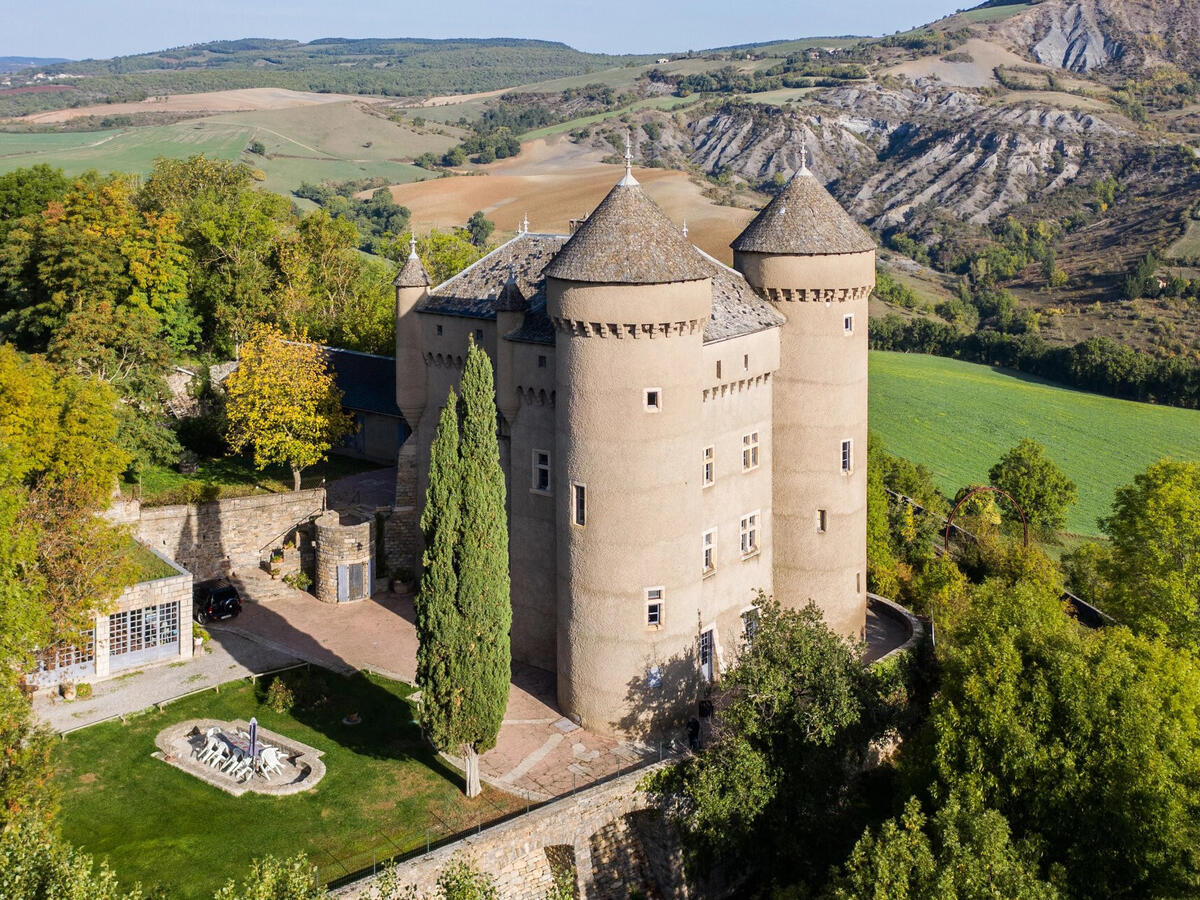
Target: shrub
<point x="298" y="580"/>
<point x="280" y="697"/>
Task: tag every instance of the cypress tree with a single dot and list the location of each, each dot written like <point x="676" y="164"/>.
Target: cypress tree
<point x="464" y="611"/>
<point x="438" y="620"/>
<point x="484" y="600"/>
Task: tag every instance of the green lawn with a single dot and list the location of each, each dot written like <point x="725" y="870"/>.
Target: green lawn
<point x="958" y="418"/>
<point x="150" y="567"/>
<point x="235" y="476"/>
<point x="158" y="825"/>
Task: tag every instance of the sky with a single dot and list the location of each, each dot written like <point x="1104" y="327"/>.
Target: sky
<point x="78" y="29"/>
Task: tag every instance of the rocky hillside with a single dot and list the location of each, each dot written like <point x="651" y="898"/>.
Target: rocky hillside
<point x="1112" y="36"/>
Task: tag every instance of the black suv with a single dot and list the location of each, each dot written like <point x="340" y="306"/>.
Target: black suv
<point x="214" y="600"/>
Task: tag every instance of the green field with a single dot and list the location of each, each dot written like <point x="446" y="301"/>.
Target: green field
<point x="1187" y="246"/>
<point x="993" y="13"/>
<point x="384" y="789"/>
<point x="668" y="103"/>
<point x="958" y="418"/>
<point x="334" y="141"/>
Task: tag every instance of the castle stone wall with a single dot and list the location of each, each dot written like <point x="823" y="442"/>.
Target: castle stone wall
<point x="215" y="538"/>
<point x="618" y="846"/>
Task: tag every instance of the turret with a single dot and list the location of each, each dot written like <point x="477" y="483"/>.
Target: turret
<point x="817" y="266"/>
<point x="629" y="298"/>
<point x="511" y="307"/>
<point x="412" y="286"/>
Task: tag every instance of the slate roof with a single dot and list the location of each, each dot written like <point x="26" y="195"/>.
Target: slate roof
<point x="412" y="274"/>
<point x="804" y="219"/>
<point x="628" y="239"/>
<point x="367" y="382"/>
<point x="477" y="291"/>
<point x="473" y="291"/>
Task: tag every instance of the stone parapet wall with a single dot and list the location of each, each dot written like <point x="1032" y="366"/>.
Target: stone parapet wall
<point x="215" y="538"/>
<point x="619" y="846"/>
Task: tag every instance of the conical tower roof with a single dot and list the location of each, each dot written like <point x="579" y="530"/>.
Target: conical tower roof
<point x="413" y="273"/>
<point x="803" y="220"/>
<point x="628" y="239"/>
<point x="511" y="299"/>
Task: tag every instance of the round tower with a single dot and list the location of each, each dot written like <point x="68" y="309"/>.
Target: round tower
<point x="629" y="298"/>
<point x="817" y="266"/>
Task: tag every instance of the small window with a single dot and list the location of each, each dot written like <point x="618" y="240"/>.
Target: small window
<point x="822" y="521"/>
<point x="479" y="336"/>
<point x="750" y="623"/>
<point x="750" y="451"/>
<point x="653" y="399"/>
<point x="707" y="662"/>
<point x="709" y="465"/>
<point x="846" y="455"/>
<point x="579" y="504"/>
<point x="541" y="362"/>
<point x="709" y="549"/>
<point x="858" y="582"/>
<point x="749" y="530"/>
<point x="718" y="368"/>
<point x="746" y="361"/>
<point x="541" y="471"/>
<point x="848" y="323"/>
<point x="654" y="607"/>
<point x="439" y="331"/>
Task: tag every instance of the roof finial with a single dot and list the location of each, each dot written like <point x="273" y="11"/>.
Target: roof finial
<point x="804" y="154"/>
<point x="412" y="245"/>
<point x="525" y="224"/>
<point x="628" y="179"/>
<point x="685" y="227"/>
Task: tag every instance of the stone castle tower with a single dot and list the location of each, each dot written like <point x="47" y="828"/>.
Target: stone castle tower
<point x="677" y="436"/>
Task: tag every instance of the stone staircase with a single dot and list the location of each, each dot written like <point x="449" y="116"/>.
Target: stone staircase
<point x="257" y="586"/>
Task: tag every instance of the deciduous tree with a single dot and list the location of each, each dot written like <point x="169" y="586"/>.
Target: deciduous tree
<point x="1035" y="482"/>
<point x="283" y="402"/>
<point x="1153" y="565"/>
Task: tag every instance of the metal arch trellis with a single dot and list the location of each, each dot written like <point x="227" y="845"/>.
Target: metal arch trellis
<point x="985" y="489"/>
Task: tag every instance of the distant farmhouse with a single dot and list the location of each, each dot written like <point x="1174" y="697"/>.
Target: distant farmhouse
<point x="677" y="435"/>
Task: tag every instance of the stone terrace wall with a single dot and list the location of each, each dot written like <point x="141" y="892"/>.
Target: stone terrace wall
<point x="212" y="539"/>
<point x="618" y="845"/>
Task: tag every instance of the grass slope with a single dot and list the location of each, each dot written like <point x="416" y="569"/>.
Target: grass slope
<point x="958" y="418"/>
<point x="162" y="827"/>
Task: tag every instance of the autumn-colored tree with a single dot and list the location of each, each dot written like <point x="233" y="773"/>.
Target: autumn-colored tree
<point x="284" y="403"/>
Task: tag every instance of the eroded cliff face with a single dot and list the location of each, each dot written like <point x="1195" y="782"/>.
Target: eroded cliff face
<point x="1117" y="36"/>
<point x="891" y="153"/>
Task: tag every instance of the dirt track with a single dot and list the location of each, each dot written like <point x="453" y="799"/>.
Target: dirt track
<point x="555" y="181"/>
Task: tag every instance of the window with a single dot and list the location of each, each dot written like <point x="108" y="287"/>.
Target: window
<point x="750" y="451"/>
<point x="848" y="323"/>
<point x="653" y="399"/>
<point x="541" y="472"/>
<point x="718" y="368"/>
<point x="654" y="607"/>
<point x="746" y="361"/>
<point x="750" y="623"/>
<point x="439" y="331"/>
<point x="541" y="362"/>
<point x="846" y="457"/>
<point x="579" y="504"/>
<point x="749" y="529"/>
<point x="709" y="463"/>
<point x="707" y="668"/>
<point x="822" y="521"/>
<point x="709" y="548"/>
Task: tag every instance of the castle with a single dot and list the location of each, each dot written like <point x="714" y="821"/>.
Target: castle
<point x="676" y="434"/>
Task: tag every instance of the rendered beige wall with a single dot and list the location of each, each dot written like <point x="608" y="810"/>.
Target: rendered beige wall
<point x="820" y="399"/>
<point x="643" y="500"/>
<point x="733" y="405"/>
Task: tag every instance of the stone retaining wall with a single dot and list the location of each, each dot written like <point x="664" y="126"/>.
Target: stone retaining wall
<point x="214" y="538"/>
<point x="619" y="846"/>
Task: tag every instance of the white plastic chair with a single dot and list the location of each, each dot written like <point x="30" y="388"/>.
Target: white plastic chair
<point x="269" y="762"/>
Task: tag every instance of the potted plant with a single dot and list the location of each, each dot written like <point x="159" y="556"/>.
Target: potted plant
<point x="67" y="689"/>
<point x="276" y="565"/>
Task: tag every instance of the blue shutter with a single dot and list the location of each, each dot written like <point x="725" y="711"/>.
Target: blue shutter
<point x="343" y="578"/>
